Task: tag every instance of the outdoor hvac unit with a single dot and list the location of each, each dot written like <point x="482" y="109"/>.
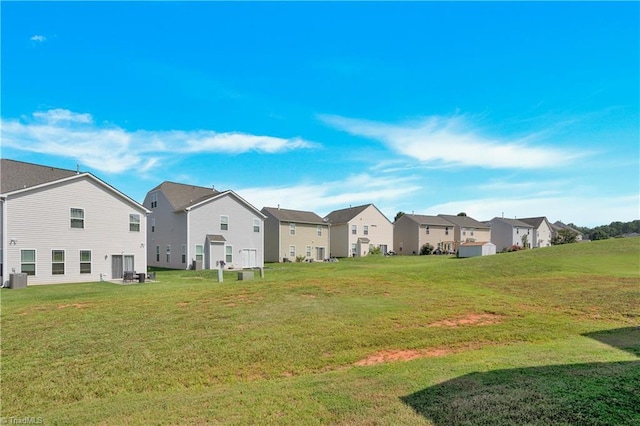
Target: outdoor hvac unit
<point x="17" y="280"/>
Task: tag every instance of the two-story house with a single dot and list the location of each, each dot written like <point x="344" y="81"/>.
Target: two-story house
<point x="64" y="226"/>
<point x="357" y="230"/>
<point x="467" y="230"/>
<point x="510" y="232"/>
<point x="289" y="234"/>
<point x="412" y="231"/>
<point x="197" y="227"/>
<point x="542" y="231"/>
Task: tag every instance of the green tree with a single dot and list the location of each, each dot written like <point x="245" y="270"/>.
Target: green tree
<point x="525" y="241"/>
<point x="564" y="236"/>
<point x="599" y="234"/>
<point x="461" y="214"/>
<point x="398" y="216"/>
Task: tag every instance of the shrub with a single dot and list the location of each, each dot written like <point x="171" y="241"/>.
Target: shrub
<point x="300" y="258"/>
<point x="426" y="249"/>
<point x="375" y="251"/>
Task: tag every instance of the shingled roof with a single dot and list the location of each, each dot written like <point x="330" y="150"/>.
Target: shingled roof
<point x="345" y="215"/>
<point x="429" y="220"/>
<point x="513" y="222"/>
<point x="181" y="196"/>
<point x="464" y="221"/>
<point x="534" y="221"/>
<point x="15" y="175"/>
<point x="294" y="216"/>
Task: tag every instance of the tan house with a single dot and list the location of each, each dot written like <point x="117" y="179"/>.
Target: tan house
<point x="355" y="231"/>
<point x="289" y="234"/>
<point x="467" y="230"/>
<point x="412" y="231"/>
<point x="542" y="231"/>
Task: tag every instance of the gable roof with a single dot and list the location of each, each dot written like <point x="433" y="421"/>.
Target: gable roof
<point x="428" y="220"/>
<point x="560" y="225"/>
<point x="345" y="215"/>
<point x="535" y="221"/>
<point x="512" y="222"/>
<point x="15" y="175"/>
<point x="294" y="216"/>
<point x="181" y="196"/>
<point x="464" y="221"/>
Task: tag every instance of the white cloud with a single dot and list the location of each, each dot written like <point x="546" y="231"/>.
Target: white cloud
<point x="582" y="211"/>
<point x="38" y="38"/>
<point x="108" y="148"/>
<point x="452" y="141"/>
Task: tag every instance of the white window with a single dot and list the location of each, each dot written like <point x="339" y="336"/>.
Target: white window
<point x="427" y="229"/>
<point x="292" y="251"/>
<point x="365" y="229"/>
<point x="472" y="229"/>
<point x="154" y="200"/>
<point x="28" y="262"/>
<point x="57" y="262"/>
<point x="354" y="229"/>
<point x="446" y="231"/>
<point x="319" y="229"/>
<point x="153" y="224"/>
<point x="184" y="253"/>
<point x="157" y="253"/>
<point x="168" y="253"/>
<point x="228" y="258"/>
<point x="256" y="225"/>
<point x="292" y="229"/>
<point x="224" y="223"/>
<point x="199" y="253"/>
<point x="134" y="222"/>
<point x="85" y="261"/>
<point x="77" y="218"/>
<point x="308" y="251"/>
<point x="354" y="249"/>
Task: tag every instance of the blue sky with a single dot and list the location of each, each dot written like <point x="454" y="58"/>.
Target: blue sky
<point x="521" y="109"/>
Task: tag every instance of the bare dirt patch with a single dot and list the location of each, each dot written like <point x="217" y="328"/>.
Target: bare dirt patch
<point x="74" y="305"/>
<point x="470" y="319"/>
<point x="395" y="355"/>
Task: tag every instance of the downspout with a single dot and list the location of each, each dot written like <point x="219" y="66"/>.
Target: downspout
<point x="4" y="240"/>
<point x="189" y="241"/>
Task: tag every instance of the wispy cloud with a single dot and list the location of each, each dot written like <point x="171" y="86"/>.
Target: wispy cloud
<point x="38" y="38"/>
<point x="453" y="141"/>
<point x="110" y="148"/>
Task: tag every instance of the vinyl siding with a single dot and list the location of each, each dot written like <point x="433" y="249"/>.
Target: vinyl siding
<point x="170" y="229"/>
<point x="306" y="235"/>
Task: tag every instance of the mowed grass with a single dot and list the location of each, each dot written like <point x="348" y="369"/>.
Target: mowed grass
<point x="547" y="336"/>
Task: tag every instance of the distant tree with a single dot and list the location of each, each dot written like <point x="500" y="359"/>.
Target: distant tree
<point x="398" y="216"/>
<point x="426" y="249"/>
<point x="461" y="214"/>
<point x="564" y="236"/>
<point x="598" y="234"/>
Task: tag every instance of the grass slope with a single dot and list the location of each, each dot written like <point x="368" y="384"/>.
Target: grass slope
<point x="533" y="337"/>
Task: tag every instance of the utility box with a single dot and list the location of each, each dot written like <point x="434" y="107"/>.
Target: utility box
<point x="17" y="280"/>
<point x="245" y="275"/>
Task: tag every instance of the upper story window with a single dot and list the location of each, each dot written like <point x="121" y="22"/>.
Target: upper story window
<point x="446" y="231"/>
<point x="77" y="218"/>
<point x="292" y="229"/>
<point x="256" y="225"/>
<point x="472" y="229"/>
<point x="354" y="229"/>
<point x="134" y="222"/>
<point x="319" y="229"/>
<point x="426" y="229"/>
<point x="153" y="224"/>
<point x="224" y="223"/>
<point x="154" y="200"/>
<point x="365" y="229"/>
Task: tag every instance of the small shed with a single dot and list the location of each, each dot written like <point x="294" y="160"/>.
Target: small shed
<point x="476" y="249"/>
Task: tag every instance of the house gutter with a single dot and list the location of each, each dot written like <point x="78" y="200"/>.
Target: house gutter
<point x="186" y="211"/>
<point x="3" y="247"/>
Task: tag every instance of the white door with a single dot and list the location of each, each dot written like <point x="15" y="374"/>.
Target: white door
<point x="249" y="258"/>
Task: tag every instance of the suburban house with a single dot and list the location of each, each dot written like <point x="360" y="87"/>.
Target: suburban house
<point x="412" y="231"/>
<point x="467" y="230"/>
<point x="64" y="226"/>
<point x="476" y="249"/>
<point x="510" y="232"/>
<point x="202" y="228"/>
<point x="542" y="231"/>
<point x="558" y="225"/>
<point x="292" y="233"/>
<point x="357" y="230"/>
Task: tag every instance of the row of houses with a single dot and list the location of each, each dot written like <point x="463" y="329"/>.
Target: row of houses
<point x="62" y="225"/>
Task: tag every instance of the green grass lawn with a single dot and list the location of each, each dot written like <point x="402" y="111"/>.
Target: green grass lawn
<point x="547" y="336"/>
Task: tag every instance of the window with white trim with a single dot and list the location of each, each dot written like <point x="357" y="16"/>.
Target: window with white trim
<point x="134" y="222"/>
<point x="354" y="229"/>
<point x="57" y="262"/>
<point x="427" y="229"/>
<point x="168" y="253"/>
<point x="319" y="229"/>
<point x="85" y="261"/>
<point x="256" y="225"/>
<point x="184" y="253"/>
<point x="224" y="223"/>
<point x="292" y="251"/>
<point x="28" y="262"/>
<point x="228" y="254"/>
<point x="292" y="229"/>
<point x="365" y="230"/>
<point x="153" y="224"/>
<point x="308" y="251"/>
<point x="157" y="253"/>
<point x="154" y="200"/>
<point x="77" y="217"/>
<point x="354" y="249"/>
<point x="199" y="253"/>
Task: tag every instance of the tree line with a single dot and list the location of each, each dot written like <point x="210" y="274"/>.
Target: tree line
<point x="613" y="230"/>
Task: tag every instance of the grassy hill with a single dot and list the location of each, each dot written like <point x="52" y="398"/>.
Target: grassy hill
<point x="539" y="336"/>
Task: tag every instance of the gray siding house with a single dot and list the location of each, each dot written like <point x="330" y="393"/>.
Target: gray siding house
<point x="356" y="230"/>
<point x="412" y="231"/>
<point x="510" y="232"/>
<point x="63" y="226"/>
<point x="193" y="226"/>
<point x="292" y="233"/>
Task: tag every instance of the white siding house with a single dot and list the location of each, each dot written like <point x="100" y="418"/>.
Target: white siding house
<point x="510" y="232"/>
<point x="542" y="231"/>
<point x="193" y="226"/>
<point x="62" y="226"/>
<point x="356" y="230"/>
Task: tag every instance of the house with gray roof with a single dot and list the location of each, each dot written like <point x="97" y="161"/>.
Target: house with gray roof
<point x="510" y="232"/>
<point x="197" y="227"/>
<point x="289" y="234"/>
<point x="542" y="231"/>
<point x="467" y="230"/>
<point x="66" y="226"/>
<point x="559" y="225"/>
<point x="412" y="231"/>
<point x="355" y="231"/>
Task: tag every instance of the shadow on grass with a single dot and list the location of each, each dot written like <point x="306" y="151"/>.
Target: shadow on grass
<point x="577" y="394"/>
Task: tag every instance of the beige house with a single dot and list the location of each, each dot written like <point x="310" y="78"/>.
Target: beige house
<point x="467" y="230"/>
<point x="542" y="231"/>
<point x="289" y="234"/>
<point x="412" y="231"/>
<point x="357" y="230"/>
<point x="507" y="232"/>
